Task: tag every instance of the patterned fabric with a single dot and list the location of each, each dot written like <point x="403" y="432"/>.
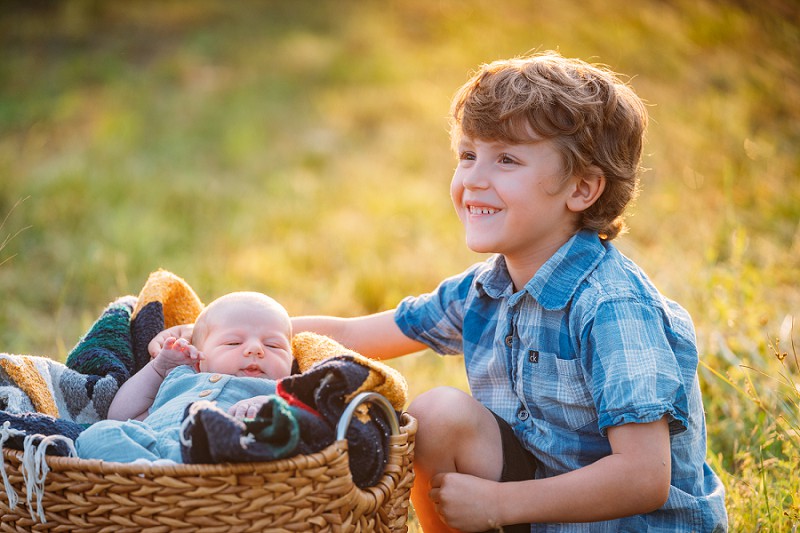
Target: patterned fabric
<point x="80" y="393"/>
<point x="589" y="343"/>
<point x="211" y="435"/>
<point x="310" y="348"/>
<point x="114" y="348"/>
<point x="325" y="390"/>
<point x="15" y="427"/>
<point x="302" y="418"/>
<point x="166" y="300"/>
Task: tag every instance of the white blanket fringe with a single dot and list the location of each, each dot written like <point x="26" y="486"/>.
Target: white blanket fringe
<point x="6" y="433"/>
<point x="34" y="467"/>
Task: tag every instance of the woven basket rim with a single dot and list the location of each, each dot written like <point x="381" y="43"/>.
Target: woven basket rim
<point x="408" y="427"/>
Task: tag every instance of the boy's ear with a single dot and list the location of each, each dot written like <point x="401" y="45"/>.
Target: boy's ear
<point x="587" y="188"/>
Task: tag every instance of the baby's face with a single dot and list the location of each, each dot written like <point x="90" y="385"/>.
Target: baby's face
<point x="248" y="339"/>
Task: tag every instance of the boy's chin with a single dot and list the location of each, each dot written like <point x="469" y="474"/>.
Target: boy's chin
<point x="480" y="247"/>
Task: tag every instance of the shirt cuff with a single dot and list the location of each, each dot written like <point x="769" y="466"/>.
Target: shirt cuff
<point x="644" y="415"/>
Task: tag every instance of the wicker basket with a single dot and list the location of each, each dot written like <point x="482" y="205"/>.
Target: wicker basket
<point x="304" y="493"/>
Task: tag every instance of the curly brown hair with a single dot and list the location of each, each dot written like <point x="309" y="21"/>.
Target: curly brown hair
<point x="594" y="118"/>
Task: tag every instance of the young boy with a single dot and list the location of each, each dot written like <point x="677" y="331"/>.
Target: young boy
<point x="241" y="345"/>
<point x="585" y="402"/>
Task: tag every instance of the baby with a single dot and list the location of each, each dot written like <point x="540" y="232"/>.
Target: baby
<point x="241" y="344"/>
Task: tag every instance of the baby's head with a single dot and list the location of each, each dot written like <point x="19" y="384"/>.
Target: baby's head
<point x="244" y="334"/>
<point x="595" y="121"/>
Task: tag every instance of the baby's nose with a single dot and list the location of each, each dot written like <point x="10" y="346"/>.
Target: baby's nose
<point x="254" y="349"/>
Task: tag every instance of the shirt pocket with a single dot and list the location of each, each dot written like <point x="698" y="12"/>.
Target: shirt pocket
<point x="556" y="390"/>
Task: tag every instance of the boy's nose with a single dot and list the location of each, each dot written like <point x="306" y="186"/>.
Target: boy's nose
<point x="474" y="178"/>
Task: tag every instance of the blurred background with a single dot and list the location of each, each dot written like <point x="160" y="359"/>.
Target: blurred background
<point x="301" y="149"/>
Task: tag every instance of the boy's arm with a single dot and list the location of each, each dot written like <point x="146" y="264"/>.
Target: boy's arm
<point x="634" y="479"/>
<point x="375" y="336"/>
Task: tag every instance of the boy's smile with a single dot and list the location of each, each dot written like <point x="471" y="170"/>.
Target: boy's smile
<point x="478" y="210"/>
<point x="512" y="199"/>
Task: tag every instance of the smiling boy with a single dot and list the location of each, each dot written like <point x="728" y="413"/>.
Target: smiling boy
<point x="585" y="404"/>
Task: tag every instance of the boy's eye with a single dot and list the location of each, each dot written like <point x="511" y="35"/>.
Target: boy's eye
<point x="506" y="159"/>
<point x="466" y="156"/>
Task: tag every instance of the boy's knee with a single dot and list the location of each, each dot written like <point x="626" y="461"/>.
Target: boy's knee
<point x="456" y="434"/>
<point x="437" y="400"/>
<point x="447" y="408"/>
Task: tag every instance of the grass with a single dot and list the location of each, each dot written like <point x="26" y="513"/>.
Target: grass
<point x="300" y="148"/>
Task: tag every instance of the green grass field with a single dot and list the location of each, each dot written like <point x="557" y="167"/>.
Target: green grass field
<point x="300" y="149"/>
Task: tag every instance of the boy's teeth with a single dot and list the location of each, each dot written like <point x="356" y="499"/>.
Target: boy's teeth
<point x="481" y="210"/>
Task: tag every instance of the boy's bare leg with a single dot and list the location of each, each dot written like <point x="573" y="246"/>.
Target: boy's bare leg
<point x="455" y="434"/>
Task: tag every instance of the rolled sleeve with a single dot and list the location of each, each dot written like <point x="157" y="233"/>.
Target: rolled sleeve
<point x="436" y="319"/>
<point x="424" y="319"/>
<point x="635" y="372"/>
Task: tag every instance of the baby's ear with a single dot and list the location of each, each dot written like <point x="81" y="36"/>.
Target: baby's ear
<point x="586" y="189"/>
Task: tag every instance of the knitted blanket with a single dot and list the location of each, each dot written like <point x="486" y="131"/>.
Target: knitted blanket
<point x="69" y="396"/>
<point x="303" y="416"/>
<point x="42" y="396"/>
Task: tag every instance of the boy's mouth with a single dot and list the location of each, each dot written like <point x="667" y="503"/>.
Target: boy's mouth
<point x="481" y="210"/>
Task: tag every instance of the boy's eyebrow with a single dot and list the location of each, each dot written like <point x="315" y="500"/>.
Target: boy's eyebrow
<point x="464" y="141"/>
<point x="496" y="144"/>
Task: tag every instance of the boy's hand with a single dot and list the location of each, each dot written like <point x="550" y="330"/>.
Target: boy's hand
<point x="465" y="502"/>
<point x="183" y="331"/>
<point x="175" y="352"/>
<point x="248" y="408"/>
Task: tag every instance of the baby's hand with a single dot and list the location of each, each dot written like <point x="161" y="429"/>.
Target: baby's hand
<point x="248" y="408"/>
<point x="176" y="352"/>
<point x="176" y="332"/>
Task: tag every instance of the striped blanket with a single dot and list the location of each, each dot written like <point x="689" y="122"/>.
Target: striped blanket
<point x="114" y="348"/>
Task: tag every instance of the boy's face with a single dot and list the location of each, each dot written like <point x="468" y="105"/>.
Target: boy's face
<point x="248" y="339"/>
<point x="512" y="198"/>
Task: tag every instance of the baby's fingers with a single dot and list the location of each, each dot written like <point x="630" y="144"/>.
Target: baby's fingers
<point x="240" y="409"/>
<point x="197" y="356"/>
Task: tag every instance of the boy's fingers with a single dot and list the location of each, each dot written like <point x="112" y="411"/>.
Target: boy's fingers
<point x="155" y="345"/>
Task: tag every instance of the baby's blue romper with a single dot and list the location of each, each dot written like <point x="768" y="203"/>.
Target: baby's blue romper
<point x="158" y="435"/>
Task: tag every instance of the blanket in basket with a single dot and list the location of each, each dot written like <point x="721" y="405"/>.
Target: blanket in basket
<point x="44" y="396"/>
<point x="303" y="416"/>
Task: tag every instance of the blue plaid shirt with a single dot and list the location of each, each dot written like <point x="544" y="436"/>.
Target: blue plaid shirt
<point x="587" y="344"/>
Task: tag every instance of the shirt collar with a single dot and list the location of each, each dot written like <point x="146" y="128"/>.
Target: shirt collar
<point x="495" y="281"/>
<point x="555" y="283"/>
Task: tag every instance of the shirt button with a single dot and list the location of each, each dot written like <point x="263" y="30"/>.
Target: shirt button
<point x="509" y="340"/>
<point x="205" y="393"/>
<point x="523" y="414"/>
<point x="215" y="377"/>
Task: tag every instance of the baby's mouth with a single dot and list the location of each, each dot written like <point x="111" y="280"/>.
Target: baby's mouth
<point x="252" y="371"/>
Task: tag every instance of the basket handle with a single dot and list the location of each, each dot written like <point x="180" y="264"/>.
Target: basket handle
<point x="379" y="399"/>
